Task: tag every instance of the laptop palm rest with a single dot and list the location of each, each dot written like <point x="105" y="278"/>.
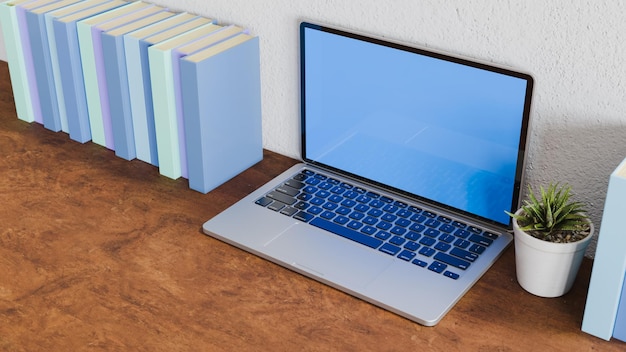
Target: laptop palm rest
<point x="327" y="257"/>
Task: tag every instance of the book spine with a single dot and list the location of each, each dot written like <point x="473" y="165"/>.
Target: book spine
<point x="118" y="95"/>
<point x="43" y="71"/>
<point x="72" y="81"/>
<point x="137" y="90"/>
<point x="56" y="72"/>
<point x="17" y="67"/>
<point x="166" y="127"/>
<point x="28" y="64"/>
<point x="90" y="79"/>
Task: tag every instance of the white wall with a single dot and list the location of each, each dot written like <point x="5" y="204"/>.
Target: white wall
<point x="573" y="48"/>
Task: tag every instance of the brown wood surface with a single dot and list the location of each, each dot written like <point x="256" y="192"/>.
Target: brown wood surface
<point x="102" y="254"/>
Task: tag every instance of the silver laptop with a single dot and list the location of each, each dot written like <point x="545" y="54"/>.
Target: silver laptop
<point x="409" y="159"/>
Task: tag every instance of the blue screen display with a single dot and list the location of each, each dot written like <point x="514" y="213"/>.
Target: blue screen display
<point x="425" y="125"/>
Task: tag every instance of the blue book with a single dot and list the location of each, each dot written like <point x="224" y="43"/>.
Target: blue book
<point x="221" y="95"/>
<point x="68" y="7"/>
<point x="92" y="62"/>
<point x="136" y="48"/>
<point x="70" y="68"/>
<point x="40" y="48"/>
<point x="609" y="265"/>
<point x="164" y="107"/>
<point x="15" y="58"/>
<point x="117" y="82"/>
<point x="31" y="79"/>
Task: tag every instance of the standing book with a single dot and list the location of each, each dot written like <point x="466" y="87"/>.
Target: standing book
<point x="70" y="68"/>
<point x="221" y="91"/>
<point x="40" y="48"/>
<point x="162" y="86"/>
<point x="117" y="82"/>
<point x="609" y="266"/>
<point x="15" y="58"/>
<point x="31" y="79"/>
<point x="136" y="49"/>
<point x="49" y="17"/>
<point x="91" y="56"/>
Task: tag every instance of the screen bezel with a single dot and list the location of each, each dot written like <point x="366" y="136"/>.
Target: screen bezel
<point x="525" y="123"/>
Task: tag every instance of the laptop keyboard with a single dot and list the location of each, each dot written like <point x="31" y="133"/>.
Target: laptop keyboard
<point x="412" y="234"/>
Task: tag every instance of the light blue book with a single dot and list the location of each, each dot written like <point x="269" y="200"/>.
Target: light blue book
<point x="609" y="265"/>
<point x="31" y="78"/>
<point x="40" y="48"/>
<point x="136" y="48"/>
<point x="70" y="68"/>
<point x="117" y="82"/>
<point x="221" y="92"/>
<point x="15" y="58"/>
<point x="68" y="7"/>
<point x="162" y="85"/>
<point x="90" y="44"/>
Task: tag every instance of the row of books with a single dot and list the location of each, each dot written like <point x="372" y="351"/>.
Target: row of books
<point x="605" y="308"/>
<point x="176" y="90"/>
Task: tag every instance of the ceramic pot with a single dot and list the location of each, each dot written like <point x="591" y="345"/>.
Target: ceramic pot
<point x="544" y="268"/>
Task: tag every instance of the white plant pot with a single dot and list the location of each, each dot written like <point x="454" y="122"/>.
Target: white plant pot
<point x="544" y="268"/>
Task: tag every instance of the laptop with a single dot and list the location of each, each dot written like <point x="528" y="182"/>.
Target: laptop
<point x="410" y="158"/>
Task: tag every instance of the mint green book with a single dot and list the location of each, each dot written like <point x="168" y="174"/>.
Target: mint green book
<point x="163" y="97"/>
<point x="15" y="59"/>
<point x="88" y="55"/>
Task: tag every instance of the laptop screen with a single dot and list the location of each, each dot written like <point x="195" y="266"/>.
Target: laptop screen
<point x="447" y="130"/>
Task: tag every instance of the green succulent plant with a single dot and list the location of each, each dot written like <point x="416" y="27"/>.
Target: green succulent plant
<point x="553" y="217"/>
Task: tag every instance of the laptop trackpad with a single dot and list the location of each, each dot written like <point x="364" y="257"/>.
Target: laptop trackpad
<point x="328" y="256"/>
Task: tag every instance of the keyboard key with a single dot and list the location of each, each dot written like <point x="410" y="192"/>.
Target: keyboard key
<point x="300" y="177"/>
<point x="419" y="263"/>
<point x="290" y="191"/>
<point x="432" y="223"/>
<point x="371" y="242"/>
<point x="322" y="194"/>
<point x="315" y="210"/>
<point x="397" y="230"/>
<point x="490" y="235"/>
<point x="412" y="246"/>
<point x="451" y="275"/>
<point x="429" y="214"/>
<point x="450" y="260"/>
<point x="417" y="228"/>
<point x="325" y="186"/>
<point x="356" y="215"/>
<point x="383" y="235"/>
<point x="389" y="248"/>
<point x="462" y="233"/>
<point x="362" y="208"/>
<point x="413" y="236"/>
<point x="341" y="220"/>
<point x="370" y="220"/>
<point x="403" y="222"/>
<point x="447" y="228"/>
<point x="404" y="213"/>
<point x="317" y="201"/>
<point x="418" y="218"/>
<point x="461" y="243"/>
<point x="427" y="251"/>
<point x="289" y="211"/>
<point x="389" y="208"/>
<point x="276" y="206"/>
<point x="328" y="215"/>
<point x="264" y="201"/>
<point x="337" y="190"/>
<point x="483" y="241"/>
<point x="281" y="197"/>
<point x="437" y="267"/>
<point x="406" y="255"/>
<point x="384" y="225"/>
<point x="330" y="206"/>
<point x="355" y="225"/>
<point x="389" y="217"/>
<point x="432" y="233"/>
<point x="397" y="240"/>
<point x="343" y="211"/>
<point x="442" y="246"/>
<point x="303" y="216"/>
<point x="446" y="238"/>
<point x="427" y="241"/>
<point x="335" y="198"/>
<point x="295" y="183"/>
<point x="368" y="230"/>
<point x="474" y="229"/>
<point x="376" y="203"/>
<point x="348" y="203"/>
<point x="476" y="248"/>
<point x="459" y="224"/>
<point x="463" y="254"/>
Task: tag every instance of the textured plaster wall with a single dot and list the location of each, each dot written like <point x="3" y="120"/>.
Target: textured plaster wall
<point x="573" y="48"/>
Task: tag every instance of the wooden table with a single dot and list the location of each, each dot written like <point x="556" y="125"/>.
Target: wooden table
<point x="99" y="253"/>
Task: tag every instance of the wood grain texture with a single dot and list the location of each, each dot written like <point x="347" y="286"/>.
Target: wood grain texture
<point x="102" y="254"/>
